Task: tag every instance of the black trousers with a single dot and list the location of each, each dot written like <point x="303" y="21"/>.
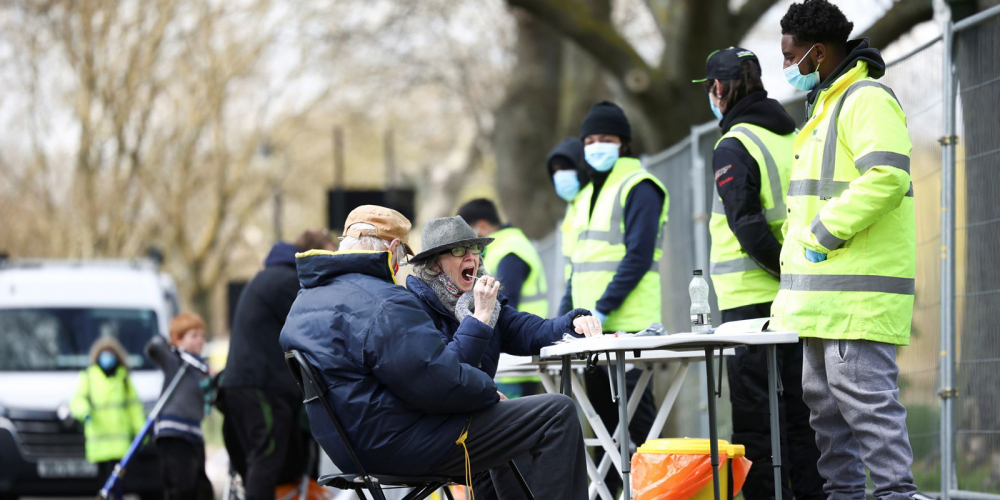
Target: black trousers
<point x="265" y="425"/>
<point x="599" y="392"/>
<point x="542" y="433"/>
<point x="747" y="372"/>
<point x="183" y="467"/>
<point x="104" y="470"/>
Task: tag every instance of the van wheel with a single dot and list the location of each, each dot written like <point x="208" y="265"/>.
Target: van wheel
<point x="146" y="496"/>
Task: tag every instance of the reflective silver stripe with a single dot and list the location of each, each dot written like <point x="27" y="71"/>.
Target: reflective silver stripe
<point x="613" y="235"/>
<point x="846" y="283"/>
<point x="177" y="426"/>
<point x="605" y="266"/>
<point x="734" y="266"/>
<point x="830" y="148"/>
<point x="813" y="187"/>
<point x="533" y="298"/>
<point x="774" y="178"/>
<point x="824" y="236"/>
<point x="888" y="158"/>
<point x="829" y="189"/>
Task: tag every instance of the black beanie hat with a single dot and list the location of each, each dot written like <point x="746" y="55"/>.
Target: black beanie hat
<point x="606" y="118"/>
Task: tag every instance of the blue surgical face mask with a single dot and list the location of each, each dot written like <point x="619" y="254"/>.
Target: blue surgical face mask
<point x="715" y="110"/>
<point x="567" y="184"/>
<point x="601" y="155"/>
<point x="800" y="81"/>
<point x="107" y="360"/>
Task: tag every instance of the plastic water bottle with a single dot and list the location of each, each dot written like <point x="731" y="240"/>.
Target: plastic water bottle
<point x="701" y="313"/>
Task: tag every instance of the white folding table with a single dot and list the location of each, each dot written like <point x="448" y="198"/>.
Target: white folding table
<point x="510" y="366"/>
<point x="623" y="346"/>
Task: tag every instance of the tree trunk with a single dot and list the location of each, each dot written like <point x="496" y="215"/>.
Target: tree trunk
<point x="584" y="81"/>
<point x="526" y="129"/>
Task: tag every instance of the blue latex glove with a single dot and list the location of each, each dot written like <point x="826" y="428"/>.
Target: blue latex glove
<point x="599" y="315"/>
<point x="814" y="257"/>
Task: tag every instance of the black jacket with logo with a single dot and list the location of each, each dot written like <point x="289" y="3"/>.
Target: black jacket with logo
<point x="737" y="177"/>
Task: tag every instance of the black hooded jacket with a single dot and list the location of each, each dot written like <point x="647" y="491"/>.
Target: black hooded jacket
<point x="857" y="50"/>
<point x="570" y="152"/>
<point x="255" y="358"/>
<point x="739" y="185"/>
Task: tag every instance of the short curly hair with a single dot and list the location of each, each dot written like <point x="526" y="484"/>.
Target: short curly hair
<point x="816" y="21"/>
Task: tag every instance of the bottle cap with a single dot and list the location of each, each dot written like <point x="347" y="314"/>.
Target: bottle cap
<point x="697" y="272"/>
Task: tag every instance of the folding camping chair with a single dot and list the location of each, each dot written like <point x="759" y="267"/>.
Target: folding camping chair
<point x="422" y="486"/>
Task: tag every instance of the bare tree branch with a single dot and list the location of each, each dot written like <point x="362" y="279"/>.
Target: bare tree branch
<point x="901" y="18"/>
<point x="748" y="15"/>
<point x="573" y="20"/>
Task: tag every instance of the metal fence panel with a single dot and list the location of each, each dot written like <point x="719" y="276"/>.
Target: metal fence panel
<point x="919" y="84"/>
<point x="916" y="81"/>
<point x="978" y="271"/>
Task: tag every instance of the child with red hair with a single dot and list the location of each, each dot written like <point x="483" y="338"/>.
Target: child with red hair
<point x="177" y="431"/>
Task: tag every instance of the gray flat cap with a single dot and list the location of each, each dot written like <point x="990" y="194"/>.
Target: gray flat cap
<point x="446" y="233"/>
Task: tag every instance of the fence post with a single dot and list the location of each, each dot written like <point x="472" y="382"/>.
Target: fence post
<point x="700" y="200"/>
<point x="947" y="393"/>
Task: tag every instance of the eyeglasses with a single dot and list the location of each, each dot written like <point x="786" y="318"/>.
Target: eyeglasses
<point x="476" y="249"/>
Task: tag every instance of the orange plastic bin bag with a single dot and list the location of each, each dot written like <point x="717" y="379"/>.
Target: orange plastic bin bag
<point x="681" y="469"/>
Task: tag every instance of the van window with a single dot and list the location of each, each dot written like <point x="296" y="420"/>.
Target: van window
<point x="60" y="338"/>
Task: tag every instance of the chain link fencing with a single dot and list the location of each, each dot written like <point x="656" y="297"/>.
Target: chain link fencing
<point x="949" y="375"/>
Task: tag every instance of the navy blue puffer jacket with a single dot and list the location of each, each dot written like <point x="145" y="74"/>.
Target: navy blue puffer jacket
<point x="517" y="333"/>
<point x="401" y="394"/>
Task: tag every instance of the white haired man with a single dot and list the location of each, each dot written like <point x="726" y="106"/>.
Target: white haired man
<point x="410" y="406"/>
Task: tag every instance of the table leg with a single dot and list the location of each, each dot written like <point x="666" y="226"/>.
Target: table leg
<point x="633" y="403"/>
<point x="597" y="486"/>
<point x="596" y="424"/>
<point x="547" y="382"/>
<point x="623" y="420"/>
<point x="668" y="401"/>
<point x="566" y="373"/>
<point x="713" y="432"/>
<point x="772" y="396"/>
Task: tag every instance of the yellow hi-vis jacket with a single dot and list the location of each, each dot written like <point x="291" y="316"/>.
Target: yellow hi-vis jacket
<point x="738" y="280"/>
<point x="111" y="412"/>
<point x="568" y="238"/>
<point x="600" y="247"/>
<point x="511" y="240"/>
<point x="850" y="197"/>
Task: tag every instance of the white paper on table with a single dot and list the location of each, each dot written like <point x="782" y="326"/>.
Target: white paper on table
<point x="745" y="326"/>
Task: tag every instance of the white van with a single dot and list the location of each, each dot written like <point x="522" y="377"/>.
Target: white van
<point x="50" y="314"/>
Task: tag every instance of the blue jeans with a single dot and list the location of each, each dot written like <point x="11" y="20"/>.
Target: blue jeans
<point x="850" y="388"/>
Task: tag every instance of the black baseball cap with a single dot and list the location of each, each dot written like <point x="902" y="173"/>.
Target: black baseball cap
<point x="725" y="64"/>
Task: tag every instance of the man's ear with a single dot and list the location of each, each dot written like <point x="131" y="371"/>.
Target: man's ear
<point x="821" y="53"/>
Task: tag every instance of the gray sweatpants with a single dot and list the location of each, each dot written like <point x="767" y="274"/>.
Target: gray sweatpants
<point x="850" y="388"/>
<point x="545" y="428"/>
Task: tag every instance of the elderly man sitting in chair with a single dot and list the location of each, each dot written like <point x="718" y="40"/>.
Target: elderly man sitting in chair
<point x="404" y="397"/>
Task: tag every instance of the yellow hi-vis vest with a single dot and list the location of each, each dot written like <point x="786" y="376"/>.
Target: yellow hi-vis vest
<point x="600" y="247"/>
<point x="738" y="280"/>
<point x="568" y="238"/>
<point x="114" y="410"/>
<point x="851" y="198"/>
<point x="511" y="240"/>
